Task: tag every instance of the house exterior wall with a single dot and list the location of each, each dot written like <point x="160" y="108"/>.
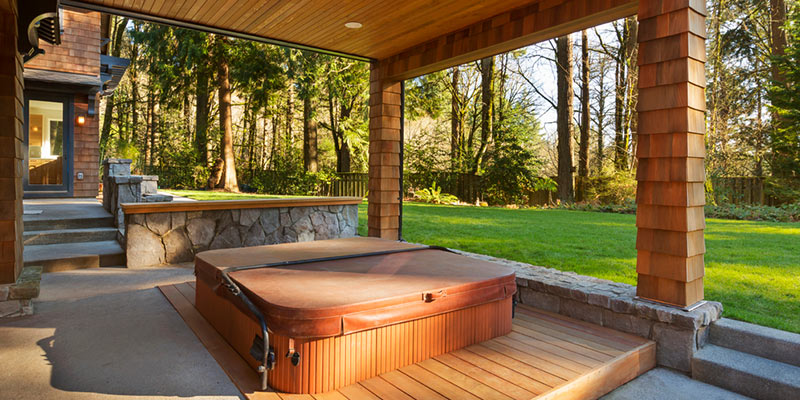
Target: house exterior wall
<point x="79" y="51"/>
<point x="86" y="140"/>
<point x="11" y="119"/>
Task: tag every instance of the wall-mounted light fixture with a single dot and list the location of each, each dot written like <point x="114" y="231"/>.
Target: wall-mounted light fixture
<point x="80" y="120"/>
<point x="353" y="25"/>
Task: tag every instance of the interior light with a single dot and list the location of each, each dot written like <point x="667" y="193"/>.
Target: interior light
<point x="80" y="120"/>
<point x="353" y="25"/>
<point x="36" y="129"/>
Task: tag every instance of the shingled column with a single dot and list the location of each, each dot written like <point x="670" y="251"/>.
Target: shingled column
<point x="384" y="155"/>
<point x="11" y="119"/>
<point x="671" y="149"/>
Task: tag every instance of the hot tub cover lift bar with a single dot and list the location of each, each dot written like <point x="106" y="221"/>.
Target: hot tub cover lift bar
<point x="261" y="351"/>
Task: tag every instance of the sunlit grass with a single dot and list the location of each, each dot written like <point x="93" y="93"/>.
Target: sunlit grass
<point x="753" y="268"/>
<point x="220" y="195"/>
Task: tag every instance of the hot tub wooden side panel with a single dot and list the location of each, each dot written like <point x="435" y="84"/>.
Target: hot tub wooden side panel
<point x="330" y="363"/>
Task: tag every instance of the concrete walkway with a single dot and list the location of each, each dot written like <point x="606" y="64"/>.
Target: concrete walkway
<point x="661" y="383"/>
<point x="107" y="333"/>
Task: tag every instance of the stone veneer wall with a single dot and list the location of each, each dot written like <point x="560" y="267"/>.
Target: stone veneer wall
<point x="174" y="237"/>
<point x="678" y="333"/>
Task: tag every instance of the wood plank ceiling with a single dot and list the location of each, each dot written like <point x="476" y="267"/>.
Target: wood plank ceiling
<point x="389" y="27"/>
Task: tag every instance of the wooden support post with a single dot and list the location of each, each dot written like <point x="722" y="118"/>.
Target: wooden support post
<point x="384" y="155"/>
<point x="671" y="150"/>
<point x="11" y="118"/>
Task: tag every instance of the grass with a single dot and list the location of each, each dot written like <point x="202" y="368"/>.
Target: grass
<point x="753" y="268"/>
<point x="220" y="195"/>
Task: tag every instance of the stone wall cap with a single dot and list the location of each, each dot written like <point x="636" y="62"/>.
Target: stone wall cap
<point x="146" y="208"/>
<point x="122" y="179"/>
<point x="117" y="161"/>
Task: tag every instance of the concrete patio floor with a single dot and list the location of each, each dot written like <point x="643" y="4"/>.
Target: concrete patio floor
<point x="110" y="333"/>
<point x="107" y="333"/>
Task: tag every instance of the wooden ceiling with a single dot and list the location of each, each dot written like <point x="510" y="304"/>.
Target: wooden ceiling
<point x="389" y="27"/>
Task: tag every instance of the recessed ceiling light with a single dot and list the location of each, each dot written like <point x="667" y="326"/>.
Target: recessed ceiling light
<point x="353" y="25"/>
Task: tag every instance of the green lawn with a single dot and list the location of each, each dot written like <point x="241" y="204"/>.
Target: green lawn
<point x="753" y="268"/>
<point x="220" y="195"/>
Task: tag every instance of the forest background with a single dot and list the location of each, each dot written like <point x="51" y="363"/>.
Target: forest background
<point x="206" y="111"/>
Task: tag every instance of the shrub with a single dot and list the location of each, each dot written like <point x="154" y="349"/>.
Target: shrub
<point x="612" y="187"/>
<point x="434" y="195"/>
<point x="783" y="213"/>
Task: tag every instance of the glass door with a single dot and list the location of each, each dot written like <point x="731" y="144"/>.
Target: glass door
<point x="48" y="142"/>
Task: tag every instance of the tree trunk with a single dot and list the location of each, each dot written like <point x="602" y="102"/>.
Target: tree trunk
<point x="151" y="129"/>
<point x="455" y="122"/>
<point x="777" y="35"/>
<point x="601" y="112"/>
<point x="289" y="119"/>
<point x="564" y="121"/>
<point x="583" y="147"/>
<point x="201" y="122"/>
<point x="620" y="162"/>
<point x="116" y="44"/>
<point x="778" y="49"/>
<point x="309" y="136"/>
<point x="133" y="75"/>
<point x="631" y="90"/>
<point x="487" y="109"/>
<point x="230" y="184"/>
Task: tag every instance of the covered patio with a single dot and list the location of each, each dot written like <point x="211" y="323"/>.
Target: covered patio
<point x="415" y="38"/>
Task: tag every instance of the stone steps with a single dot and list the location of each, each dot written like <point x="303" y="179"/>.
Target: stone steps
<point x="772" y="344"/>
<point x="56" y="236"/>
<point x="746" y="374"/>
<point x="69" y="256"/>
<point x="68" y="223"/>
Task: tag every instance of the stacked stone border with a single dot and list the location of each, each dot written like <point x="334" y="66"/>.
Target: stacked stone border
<point x="174" y="237"/>
<point x="16" y="299"/>
<point x="678" y="333"/>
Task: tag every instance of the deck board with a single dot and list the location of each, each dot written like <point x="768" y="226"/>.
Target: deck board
<point x="547" y="356"/>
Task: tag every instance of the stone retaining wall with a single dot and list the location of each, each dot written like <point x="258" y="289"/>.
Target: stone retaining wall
<point x="678" y="333"/>
<point x="175" y="237"/>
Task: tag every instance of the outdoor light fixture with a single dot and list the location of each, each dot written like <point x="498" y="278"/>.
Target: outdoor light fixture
<point x="353" y="25"/>
<point x="80" y="120"/>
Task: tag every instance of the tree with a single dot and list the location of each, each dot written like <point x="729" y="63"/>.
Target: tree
<point x="308" y="91"/>
<point x="785" y="96"/>
<point x="583" y="151"/>
<point x="229" y="176"/>
<point x="565" y="114"/>
<point x="487" y="110"/>
<point x="117" y="31"/>
<point x="456" y="120"/>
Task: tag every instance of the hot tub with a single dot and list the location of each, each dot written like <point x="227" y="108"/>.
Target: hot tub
<point x="334" y="319"/>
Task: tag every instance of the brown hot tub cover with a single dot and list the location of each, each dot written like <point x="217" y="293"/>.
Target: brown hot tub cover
<point x="330" y="298"/>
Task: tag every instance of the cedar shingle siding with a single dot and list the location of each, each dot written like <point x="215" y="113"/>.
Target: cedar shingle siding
<point x="79" y="53"/>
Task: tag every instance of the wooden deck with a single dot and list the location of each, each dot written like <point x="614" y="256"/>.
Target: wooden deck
<point x="547" y="356"/>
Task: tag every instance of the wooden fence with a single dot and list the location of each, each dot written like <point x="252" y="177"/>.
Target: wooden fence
<point x="349" y="184"/>
<point x="467" y="187"/>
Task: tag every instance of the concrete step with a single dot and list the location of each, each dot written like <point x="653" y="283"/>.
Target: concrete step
<point x="67" y="223"/>
<point x="69" y="256"/>
<point x="746" y="374"/>
<point x="69" y="236"/>
<point x="758" y="340"/>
